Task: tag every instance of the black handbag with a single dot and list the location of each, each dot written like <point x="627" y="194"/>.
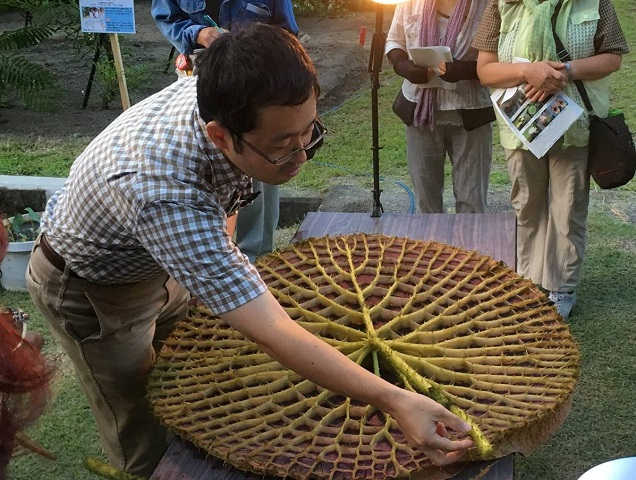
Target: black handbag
<point x="477" y="117"/>
<point x="471" y="118"/>
<point x="404" y="109"/>
<point x="612" y="156"/>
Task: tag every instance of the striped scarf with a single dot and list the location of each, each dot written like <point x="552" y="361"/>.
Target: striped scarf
<point x="429" y="36"/>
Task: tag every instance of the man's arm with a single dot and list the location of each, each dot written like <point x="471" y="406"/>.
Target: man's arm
<point x="177" y="25"/>
<point x="283" y="16"/>
<point x="265" y="322"/>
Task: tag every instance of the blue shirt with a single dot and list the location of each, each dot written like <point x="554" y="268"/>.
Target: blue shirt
<point x="180" y="21"/>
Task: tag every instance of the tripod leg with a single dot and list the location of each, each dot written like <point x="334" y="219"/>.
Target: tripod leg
<point x="169" y="62"/>
<point x="87" y="91"/>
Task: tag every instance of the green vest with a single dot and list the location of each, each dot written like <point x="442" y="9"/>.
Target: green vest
<point x="576" y="27"/>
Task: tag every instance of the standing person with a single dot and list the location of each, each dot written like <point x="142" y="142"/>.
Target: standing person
<point x="443" y="121"/>
<point x="550" y="194"/>
<point x="184" y="24"/>
<point x="141" y="224"/>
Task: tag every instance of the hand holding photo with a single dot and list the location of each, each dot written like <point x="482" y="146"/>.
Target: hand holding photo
<point x="538" y="125"/>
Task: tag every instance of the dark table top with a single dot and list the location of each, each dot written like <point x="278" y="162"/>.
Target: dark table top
<point x="183" y="461"/>
<point x="489" y="234"/>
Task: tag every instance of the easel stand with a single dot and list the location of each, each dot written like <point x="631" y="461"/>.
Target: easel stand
<point x="114" y="56"/>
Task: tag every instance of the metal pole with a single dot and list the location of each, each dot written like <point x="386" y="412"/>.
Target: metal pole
<point x="375" y="67"/>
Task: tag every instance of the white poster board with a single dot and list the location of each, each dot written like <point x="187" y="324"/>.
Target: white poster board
<point x="107" y="16"/>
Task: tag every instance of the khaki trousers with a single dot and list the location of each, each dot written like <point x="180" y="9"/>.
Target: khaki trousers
<point x="550" y="196"/>
<point x="470" y="155"/>
<point x="111" y="334"/>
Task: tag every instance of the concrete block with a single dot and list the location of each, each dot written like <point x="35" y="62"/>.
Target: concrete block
<point x="354" y="198"/>
<point x="18" y="192"/>
<point x="295" y="205"/>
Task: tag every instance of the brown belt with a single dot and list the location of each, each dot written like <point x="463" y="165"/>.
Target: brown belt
<point x="52" y="256"/>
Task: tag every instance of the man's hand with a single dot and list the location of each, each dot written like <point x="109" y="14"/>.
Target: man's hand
<point x="423" y="421"/>
<point x="425" y="424"/>
<point x="207" y="35"/>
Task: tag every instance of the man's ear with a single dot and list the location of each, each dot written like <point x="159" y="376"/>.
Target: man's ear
<point x="218" y="134"/>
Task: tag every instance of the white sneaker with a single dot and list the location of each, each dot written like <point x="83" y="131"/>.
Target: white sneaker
<point x="563" y="301"/>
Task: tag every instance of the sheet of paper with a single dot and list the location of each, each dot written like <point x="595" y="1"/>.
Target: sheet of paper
<point x="538" y="125"/>
<point x="431" y="57"/>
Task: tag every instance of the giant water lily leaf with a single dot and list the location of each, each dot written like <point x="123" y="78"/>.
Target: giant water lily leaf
<point x="452" y="324"/>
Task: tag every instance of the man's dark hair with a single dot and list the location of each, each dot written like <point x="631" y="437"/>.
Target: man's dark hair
<point x="246" y="70"/>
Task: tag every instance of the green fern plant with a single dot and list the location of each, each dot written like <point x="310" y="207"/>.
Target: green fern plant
<point x="29" y="81"/>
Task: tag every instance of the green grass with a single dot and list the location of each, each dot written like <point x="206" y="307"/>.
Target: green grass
<point x="67" y="428"/>
<point x="40" y="156"/>
<point x="601" y="425"/>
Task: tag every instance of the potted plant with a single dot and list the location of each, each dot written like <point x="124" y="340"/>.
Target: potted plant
<point x="22" y="231"/>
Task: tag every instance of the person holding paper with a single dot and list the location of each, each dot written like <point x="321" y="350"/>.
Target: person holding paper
<point x="550" y="194"/>
<point x="446" y="110"/>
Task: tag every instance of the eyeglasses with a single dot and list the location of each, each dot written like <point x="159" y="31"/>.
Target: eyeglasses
<point x="317" y="135"/>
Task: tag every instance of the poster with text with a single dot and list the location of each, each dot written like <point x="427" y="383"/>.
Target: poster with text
<point x="107" y="16"/>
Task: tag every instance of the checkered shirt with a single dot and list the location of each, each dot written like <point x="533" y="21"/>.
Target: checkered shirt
<point x="150" y="194"/>
<point x="609" y="37"/>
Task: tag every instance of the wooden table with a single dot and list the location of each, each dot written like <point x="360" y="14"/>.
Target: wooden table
<point x="183" y="461"/>
<point x="490" y="234"/>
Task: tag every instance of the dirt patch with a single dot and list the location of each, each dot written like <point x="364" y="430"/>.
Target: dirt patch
<point x="333" y="46"/>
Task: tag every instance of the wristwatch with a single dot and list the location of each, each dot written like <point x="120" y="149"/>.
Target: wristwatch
<point x="568" y="69"/>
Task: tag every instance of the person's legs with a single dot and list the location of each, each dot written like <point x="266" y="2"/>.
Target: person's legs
<point x="529" y="198"/>
<point x="471" y="156"/>
<point x="567" y="224"/>
<point x="256" y="223"/>
<point x="426" y="154"/>
<point x="109" y="332"/>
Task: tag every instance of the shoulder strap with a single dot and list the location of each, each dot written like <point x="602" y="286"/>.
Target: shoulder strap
<point x="564" y="56"/>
